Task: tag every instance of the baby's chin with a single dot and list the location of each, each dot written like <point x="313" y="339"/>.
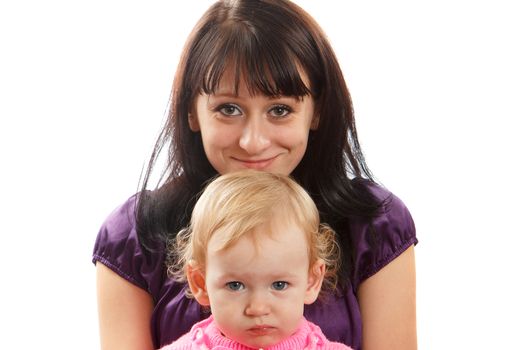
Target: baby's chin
<point x="263" y="338"/>
<point x="257" y="339"/>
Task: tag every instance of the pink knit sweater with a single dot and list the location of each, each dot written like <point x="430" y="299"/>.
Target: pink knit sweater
<point x="205" y="335"/>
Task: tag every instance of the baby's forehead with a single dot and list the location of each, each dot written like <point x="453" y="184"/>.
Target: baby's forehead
<point x="263" y="241"/>
<point x="273" y="229"/>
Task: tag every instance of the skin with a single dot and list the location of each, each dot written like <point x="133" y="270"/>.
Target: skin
<point x="247" y="135"/>
<point x="258" y="132"/>
<point x="388" y="305"/>
<point x="380" y="310"/>
<point x="124" y="312"/>
<point x="257" y="288"/>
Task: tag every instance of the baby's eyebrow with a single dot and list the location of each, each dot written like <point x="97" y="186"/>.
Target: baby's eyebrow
<point x="283" y="275"/>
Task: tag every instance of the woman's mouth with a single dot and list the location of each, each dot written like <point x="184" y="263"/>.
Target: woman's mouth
<point x="257" y="164"/>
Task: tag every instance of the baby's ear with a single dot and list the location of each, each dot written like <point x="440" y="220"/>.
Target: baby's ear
<point x="197" y="283"/>
<point x="315" y="281"/>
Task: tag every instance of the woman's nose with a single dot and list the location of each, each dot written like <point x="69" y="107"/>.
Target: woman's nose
<point x="255" y="138"/>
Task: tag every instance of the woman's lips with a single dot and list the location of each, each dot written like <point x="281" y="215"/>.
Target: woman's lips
<point x="257" y="164"/>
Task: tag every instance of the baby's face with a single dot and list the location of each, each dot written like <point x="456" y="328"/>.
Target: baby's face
<point x="257" y="288"/>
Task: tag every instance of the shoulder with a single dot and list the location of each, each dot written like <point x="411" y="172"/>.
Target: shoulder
<point x="393" y="215"/>
<point x="119" y="223"/>
<point x="118" y="247"/>
<point x="385" y="237"/>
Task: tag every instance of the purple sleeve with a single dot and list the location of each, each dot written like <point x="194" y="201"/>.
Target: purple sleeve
<point x="117" y="246"/>
<point x="393" y="232"/>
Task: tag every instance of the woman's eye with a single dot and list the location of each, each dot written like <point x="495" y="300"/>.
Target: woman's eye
<point x="280" y="111"/>
<point x="229" y="109"/>
<point x="235" y="286"/>
<point x="279" y="285"/>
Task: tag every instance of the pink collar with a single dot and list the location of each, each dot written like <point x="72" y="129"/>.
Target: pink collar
<point x="206" y="336"/>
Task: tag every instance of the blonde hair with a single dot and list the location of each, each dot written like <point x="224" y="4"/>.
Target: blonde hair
<point x="235" y="204"/>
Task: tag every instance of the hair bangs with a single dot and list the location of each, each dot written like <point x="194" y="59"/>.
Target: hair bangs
<point x="263" y="66"/>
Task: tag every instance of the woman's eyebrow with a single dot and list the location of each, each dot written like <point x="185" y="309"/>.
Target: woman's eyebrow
<point x="224" y="94"/>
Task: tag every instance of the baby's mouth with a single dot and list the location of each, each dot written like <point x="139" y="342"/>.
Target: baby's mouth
<point x="262" y="330"/>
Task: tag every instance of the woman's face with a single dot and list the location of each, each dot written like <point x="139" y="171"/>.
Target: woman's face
<point x="258" y="132"/>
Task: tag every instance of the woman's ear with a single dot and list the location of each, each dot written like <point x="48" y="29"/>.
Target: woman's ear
<point x="193" y="121"/>
<point x="315" y="281"/>
<point x="197" y="283"/>
<point x="314" y="125"/>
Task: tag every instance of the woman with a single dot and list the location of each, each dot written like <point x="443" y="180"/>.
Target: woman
<point x="258" y="86"/>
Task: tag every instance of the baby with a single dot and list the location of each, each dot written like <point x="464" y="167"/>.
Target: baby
<point x="255" y="253"/>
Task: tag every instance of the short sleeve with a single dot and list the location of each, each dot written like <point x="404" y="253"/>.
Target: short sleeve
<point x="392" y="233"/>
<point x="117" y="246"/>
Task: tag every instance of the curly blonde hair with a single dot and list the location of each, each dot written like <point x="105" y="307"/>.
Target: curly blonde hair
<point x="235" y="204"/>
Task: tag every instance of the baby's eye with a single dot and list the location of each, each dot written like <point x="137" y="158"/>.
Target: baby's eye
<point x="235" y="285"/>
<point x="280" y="111"/>
<point x="229" y="109"/>
<point x="279" y="285"/>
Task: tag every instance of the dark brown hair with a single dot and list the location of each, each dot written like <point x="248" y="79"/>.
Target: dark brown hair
<point x="268" y="43"/>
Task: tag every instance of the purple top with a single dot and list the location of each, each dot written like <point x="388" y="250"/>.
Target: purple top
<point x="118" y="248"/>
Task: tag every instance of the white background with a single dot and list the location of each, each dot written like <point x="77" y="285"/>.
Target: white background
<point x="438" y="88"/>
